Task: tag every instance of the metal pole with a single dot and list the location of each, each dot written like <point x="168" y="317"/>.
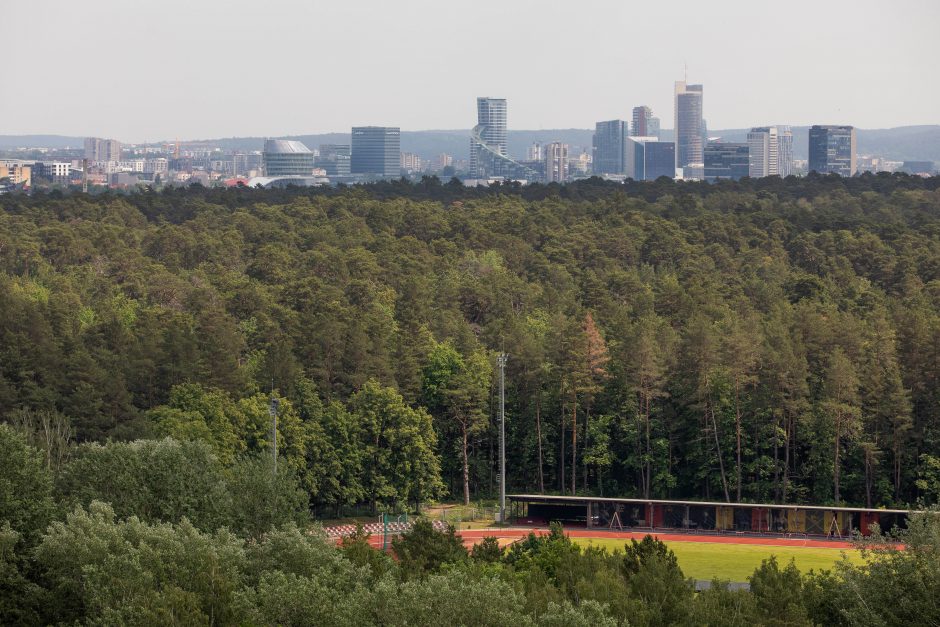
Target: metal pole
<point x="272" y="409"/>
<point x="502" y="437"/>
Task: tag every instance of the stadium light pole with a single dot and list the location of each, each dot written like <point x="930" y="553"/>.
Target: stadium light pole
<point x="272" y="409"/>
<point x="501" y="360"/>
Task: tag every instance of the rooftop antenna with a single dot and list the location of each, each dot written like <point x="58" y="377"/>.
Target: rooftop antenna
<point x="685" y="76"/>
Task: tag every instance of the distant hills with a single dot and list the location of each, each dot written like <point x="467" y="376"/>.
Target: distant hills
<point x="916" y="143"/>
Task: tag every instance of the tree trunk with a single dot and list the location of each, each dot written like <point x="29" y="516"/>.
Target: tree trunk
<point x="647" y="466"/>
<point x="538" y="433"/>
<point x="574" y="446"/>
<point x="584" y="445"/>
<point x="835" y="465"/>
<point x="721" y="462"/>
<point x="737" y="427"/>
<point x="466" y="467"/>
<point x="777" y="464"/>
<point x="561" y="458"/>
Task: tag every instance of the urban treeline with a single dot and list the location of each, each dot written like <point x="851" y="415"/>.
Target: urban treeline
<point x="763" y="340"/>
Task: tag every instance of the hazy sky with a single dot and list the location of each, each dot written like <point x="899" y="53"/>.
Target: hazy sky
<point x="163" y="69"/>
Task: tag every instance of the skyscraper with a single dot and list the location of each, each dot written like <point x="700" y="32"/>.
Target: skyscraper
<point x="647" y="158"/>
<point x="688" y="125"/>
<point x="376" y="150"/>
<point x="488" y="155"/>
<point x="641" y="121"/>
<point x="784" y="151"/>
<point x="726" y="160"/>
<point x="762" y="143"/>
<point x="832" y="150"/>
<point x="609" y="144"/>
<point x="556" y="162"/>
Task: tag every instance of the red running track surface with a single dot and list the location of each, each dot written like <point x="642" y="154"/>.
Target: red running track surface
<point x="472" y="536"/>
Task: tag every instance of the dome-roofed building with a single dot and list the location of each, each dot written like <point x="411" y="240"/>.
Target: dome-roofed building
<point x="285" y="157"/>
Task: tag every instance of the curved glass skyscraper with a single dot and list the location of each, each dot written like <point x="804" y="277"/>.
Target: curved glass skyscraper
<point x="488" y="156"/>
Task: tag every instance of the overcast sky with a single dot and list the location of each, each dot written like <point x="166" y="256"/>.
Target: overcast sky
<point x="145" y="71"/>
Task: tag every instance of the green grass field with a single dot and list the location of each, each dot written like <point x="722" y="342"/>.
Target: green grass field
<point x="736" y="562"/>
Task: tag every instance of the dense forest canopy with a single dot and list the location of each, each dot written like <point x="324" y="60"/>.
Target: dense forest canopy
<point x="767" y="340"/>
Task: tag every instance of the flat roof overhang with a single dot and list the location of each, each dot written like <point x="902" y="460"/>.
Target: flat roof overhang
<point x="584" y="500"/>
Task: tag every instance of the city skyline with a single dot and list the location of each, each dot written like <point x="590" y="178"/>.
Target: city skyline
<point x="880" y="84"/>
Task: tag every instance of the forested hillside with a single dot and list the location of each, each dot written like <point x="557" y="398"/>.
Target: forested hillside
<point x="762" y="340"/>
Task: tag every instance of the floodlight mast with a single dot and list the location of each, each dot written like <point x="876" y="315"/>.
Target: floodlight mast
<point x="272" y="409"/>
<point x="501" y="360"/>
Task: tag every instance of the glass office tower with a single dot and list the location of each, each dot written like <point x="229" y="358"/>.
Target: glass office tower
<point x="832" y="150"/>
<point x="335" y="159"/>
<point x="609" y="145"/>
<point x="726" y="160"/>
<point x="376" y="150"/>
<point x="647" y="159"/>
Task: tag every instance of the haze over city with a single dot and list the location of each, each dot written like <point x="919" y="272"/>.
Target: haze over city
<point x="203" y="70"/>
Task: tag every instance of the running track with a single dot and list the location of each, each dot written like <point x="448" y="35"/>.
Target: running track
<point x="512" y="534"/>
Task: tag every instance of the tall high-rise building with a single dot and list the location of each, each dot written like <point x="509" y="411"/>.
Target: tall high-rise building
<point x="556" y="162"/>
<point x="647" y="158"/>
<point x="652" y="127"/>
<point x="491" y="128"/>
<point x="376" y="150"/>
<point x="488" y="155"/>
<point x="762" y="143"/>
<point x="284" y="157"/>
<point x="726" y="160"/>
<point x="832" y="150"/>
<point x="771" y="151"/>
<point x="334" y="159"/>
<point x="97" y="149"/>
<point x="641" y="121"/>
<point x="609" y="144"/>
<point x="688" y="127"/>
<point x="784" y="151"/>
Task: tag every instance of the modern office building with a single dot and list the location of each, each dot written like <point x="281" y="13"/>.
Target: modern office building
<point x="727" y="160"/>
<point x="334" y="159"/>
<point x="647" y="158"/>
<point x="771" y="151"/>
<point x="652" y="127"/>
<point x="609" y="144"/>
<point x="641" y="119"/>
<point x="376" y="150"/>
<point x="689" y="128"/>
<point x="763" y="152"/>
<point x="784" y="151"/>
<point x="832" y="150"/>
<point x="54" y="171"/>
<point x="556" y="162"/>
<point x="97" y="149"/>
<point x="488" y="155"/>
<point x="283" y="157"/>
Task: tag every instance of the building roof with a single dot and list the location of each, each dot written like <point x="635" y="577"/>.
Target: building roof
<point x="274" y="146"/>
<point x="577" y="500"/>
